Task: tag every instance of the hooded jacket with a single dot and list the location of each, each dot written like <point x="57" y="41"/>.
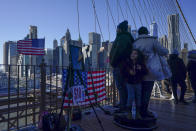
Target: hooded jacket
<point x="148" y="45"/>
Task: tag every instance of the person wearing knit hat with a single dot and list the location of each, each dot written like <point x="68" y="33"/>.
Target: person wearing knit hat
<point x="178" y="70"/>
<point x="123" y="26"/>
<point x="121" y="48"/>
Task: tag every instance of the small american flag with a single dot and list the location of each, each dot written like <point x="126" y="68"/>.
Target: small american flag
<point x="31" y="47"/>
<point x="99" y="87"/>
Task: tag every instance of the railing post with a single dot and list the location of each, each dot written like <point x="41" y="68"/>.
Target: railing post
<point x="43" y="85"/>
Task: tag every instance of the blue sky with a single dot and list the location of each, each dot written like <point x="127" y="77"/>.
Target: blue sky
<point x="53" y="17"/>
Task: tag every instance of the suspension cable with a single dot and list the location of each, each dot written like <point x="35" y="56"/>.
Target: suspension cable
<point x="143" y="12"/>
<point x="121" y="9"/>
<point x="93" y="4"/>
<point x="147" y="11"/>
<point x="180" y="22"/>
<point x="108" y="5"/>
<point x="108" y="23"/>
<point x="187" y="36"/>
<point x="160" y="14"/>
<point x="131" y="14"/>
<point x="137" y="12"/>
<point x="185" y="21"/>
<point x="118" y="11"/>
<point x="78" y="18"/>
<point x="152" y="12"/>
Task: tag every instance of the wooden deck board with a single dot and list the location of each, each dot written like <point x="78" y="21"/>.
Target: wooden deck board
<point x="170" y="118"/>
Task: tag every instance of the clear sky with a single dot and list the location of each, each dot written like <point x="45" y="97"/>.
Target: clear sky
<point x="53" y="17"/>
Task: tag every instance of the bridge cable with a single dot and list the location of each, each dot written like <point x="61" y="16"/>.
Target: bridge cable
<point x="121" y="9"/>
<point x="159" y="15"/>
<point x="183" y="25"/>
<point x="93" y="4"/>
<point x="78" y="18"/>
<point x="143" y="12"/>
<point x="118" y="11"/>
<point x="131" y="14"/>
<point x="108" y="20"/>
<point x="137" y="12"/>
<point x="147" y="11"/>
<point x="152" y="11"/>
<point x="108" y="5"/>
<point x="174" y="10"/>
<point x="185" y="21"/>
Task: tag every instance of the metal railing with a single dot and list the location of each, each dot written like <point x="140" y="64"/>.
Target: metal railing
<point x="27" y="90"/>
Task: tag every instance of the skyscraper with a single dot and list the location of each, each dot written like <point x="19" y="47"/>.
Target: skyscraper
<point x="173" y="32"/>
<point x="5" y="53"/>
<point x="95" y="42"/>
<point x="32" y="32"/>
<point x="66" y="41"/>
<point x="154" y="29"/>
<point x="55" y="43"/>
<point x="164" y="41"/>
<point x="48" y="56"/>
<point x="10" y="54"/>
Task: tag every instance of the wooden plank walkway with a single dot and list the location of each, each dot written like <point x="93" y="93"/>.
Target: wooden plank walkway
<point x="171" y="117"/>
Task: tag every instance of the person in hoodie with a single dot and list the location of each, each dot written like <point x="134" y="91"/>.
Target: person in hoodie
<point x="178" y="70"/>
<point x="149" y="45"/>
<point x="133" y="73"/>
<point x="121" y="48"/>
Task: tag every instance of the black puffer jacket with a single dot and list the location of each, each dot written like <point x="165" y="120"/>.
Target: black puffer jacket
<point x="177" y="67"/>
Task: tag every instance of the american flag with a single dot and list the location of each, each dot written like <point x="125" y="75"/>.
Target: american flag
<point x="31" y="47"/>
<point x="99" y="87"/>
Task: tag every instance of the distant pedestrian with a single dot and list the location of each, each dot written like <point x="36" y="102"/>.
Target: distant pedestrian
<point x="152" y="49"/>
<point x="178" y="70"/>
<point x="133" y="72"/>
<point x="191" y="68"/>
<point x="121" y="48"/>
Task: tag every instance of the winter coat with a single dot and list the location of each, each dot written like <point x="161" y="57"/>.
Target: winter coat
<point x="139" y="75"/>
<point x="191" y="68"/>
<point x="177" y="67"/>
<point x="148" y="45"/>
<point x="121" y="48"/>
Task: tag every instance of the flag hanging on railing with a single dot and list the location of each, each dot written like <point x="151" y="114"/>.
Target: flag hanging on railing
<point x="79" y="97"/>
<point x="31" y="47"/>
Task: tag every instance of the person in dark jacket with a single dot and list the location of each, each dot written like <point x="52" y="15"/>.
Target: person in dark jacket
<point x="191" y="68"/>
<point x="178" y="70"/>
<point x="133" y="72"/>
<point x="121" y="47"/>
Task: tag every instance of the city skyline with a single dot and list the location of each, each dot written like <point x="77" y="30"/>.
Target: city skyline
<point x="53" y="19"/>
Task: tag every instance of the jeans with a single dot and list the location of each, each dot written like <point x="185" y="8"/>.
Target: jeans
<point x="134" y="93"/>
<point x="183" y="86"/>
<point x="147" y="87"/>
<point x="121" y="87"/>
